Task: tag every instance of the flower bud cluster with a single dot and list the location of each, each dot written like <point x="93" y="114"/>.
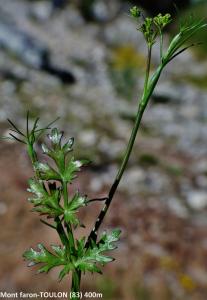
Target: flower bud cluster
<point x="151" y="27"/>
<point x="135" y="12"/>
<point x="161" y="21"/>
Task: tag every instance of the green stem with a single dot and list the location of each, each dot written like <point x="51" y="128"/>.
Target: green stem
<point x="61" y="232"/>
<point x="130" y="144"/>
<point x="148" y="68"/>
<point x="141" y="109"/>
<point x="68" y="226"/>
<point x="93" y="234"/>
<point x="65" y="193"/>
<point x="76" y="279"/>
<point x="140" y="112"/>
<point x="33" y="157"/>
<point x="161" y="44"/>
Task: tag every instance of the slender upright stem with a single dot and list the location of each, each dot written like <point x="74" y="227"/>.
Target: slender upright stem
<point x="68" y="226"/>
<point x="65" y="193"/>
<point x="161" y="44"/>
<point x="141" y="109"/>
<point x="140" y="112"/>
<point x="130" y="144"/>
<point x="61" y="233"/>
<point x="93" y="234"/>
<point x="76" y="275"/>
<point x="149" y="56"/>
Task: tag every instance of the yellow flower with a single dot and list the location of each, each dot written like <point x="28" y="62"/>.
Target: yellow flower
<point x="187" y="282"/>
<point x="127" y="57"/>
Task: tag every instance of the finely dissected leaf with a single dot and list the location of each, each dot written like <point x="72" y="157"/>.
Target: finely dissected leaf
<point x="70" y="212"/>
<point x="72" y="167"/>
<point x="49" y="260"/>
<point x="58" y="152"/>
<point x="31" y="135"/>
<point x="47" y="172"/>
<point x="66" y="169"/>
<point x="67" y="268"/>
<point x="46" y="258"/>
<point x="45" y="202"/>
<point x="95" y="254"/>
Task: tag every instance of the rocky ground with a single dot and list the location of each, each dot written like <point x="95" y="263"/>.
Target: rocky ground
<point x="161" y="204"/>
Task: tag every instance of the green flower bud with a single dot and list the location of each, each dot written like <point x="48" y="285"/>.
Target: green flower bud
<point x="162" y="21"/>
<point x="135" y="12"/>
<point x="148" y="31"/>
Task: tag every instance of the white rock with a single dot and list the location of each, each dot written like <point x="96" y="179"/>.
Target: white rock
<point x="132" y="179"/>
<point x="197" y="199"/>
<point x="88" y="138"/>
<point x="3" y="208"/>
<point x="176" y="207"/>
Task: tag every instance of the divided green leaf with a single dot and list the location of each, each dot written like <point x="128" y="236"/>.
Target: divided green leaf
<point x="70" y="212"/>
<point x="45" y="202"/>
<point x="96" y="253"/>
<point x="85" y="259"/>
<point x="48" y="259"/>
<point x="72" y="167"/>
<point x="58" y="152"/>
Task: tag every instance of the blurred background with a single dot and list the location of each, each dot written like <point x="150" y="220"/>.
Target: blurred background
<point x="84" y="61"/>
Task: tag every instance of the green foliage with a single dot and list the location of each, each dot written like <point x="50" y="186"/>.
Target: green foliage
<point x="70" y="211"/>
<point x="148" y="31"/>
<point x="187" y="29"/>
<point x="162" y="21"/>
<point x="135" y="12"/>
<point x="84" y="260"/>
<point x="66" y="170"/>
<point x="50" y="183"/>
<point x="45" y="202"/>
<point x="200" y="11"/>
<point x="46" y="258"/>
<point x="94" y="254"/>
<point x="152" y="28"/>
<point x="50" y="198"/>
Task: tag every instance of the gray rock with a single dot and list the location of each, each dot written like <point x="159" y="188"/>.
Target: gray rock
<point x="41" y="11"/>
<point x="177" y="207"/>
<point x="132" y="179"/>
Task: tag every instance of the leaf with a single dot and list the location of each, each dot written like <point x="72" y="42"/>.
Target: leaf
<point x="28" y="137"/>
<point x="85" y="259"/>
<point x="77" y="202"/>
<point x="72" y="167"/>
<point x="58" y="152"/>
<point x="45" y="202"/>
<point x="48" y="259"/>
<point x="47" y="172"/>
<point x="72" y="208"/>
<point x="67" y="268"/>
<point x="187" y="30"/>
<point x="95" y="254"/>
<point x="65" y="169"/>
